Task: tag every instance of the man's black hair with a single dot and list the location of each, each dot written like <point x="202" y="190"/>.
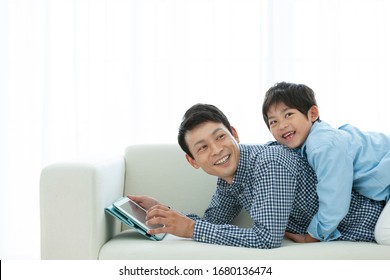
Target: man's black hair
<point x="196" y="115"/>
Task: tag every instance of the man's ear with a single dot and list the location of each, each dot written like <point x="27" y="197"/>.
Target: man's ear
<point x="192" y="162"/>
<point x="313" y="113"/>
<point x="235" y="134"/>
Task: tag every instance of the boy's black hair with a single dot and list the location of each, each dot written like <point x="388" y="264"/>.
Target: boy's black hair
<point x="296" y="96"/>
<point x="196" y="115"/>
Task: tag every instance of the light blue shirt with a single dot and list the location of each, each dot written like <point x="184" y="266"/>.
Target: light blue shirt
<point x="345" y="158"/>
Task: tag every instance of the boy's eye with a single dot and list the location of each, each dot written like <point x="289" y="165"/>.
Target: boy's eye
<point x="289" y="115"/>
<point x="270" y="123"/>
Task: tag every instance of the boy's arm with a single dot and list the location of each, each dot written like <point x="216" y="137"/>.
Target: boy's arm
<point x="334" y="170"/>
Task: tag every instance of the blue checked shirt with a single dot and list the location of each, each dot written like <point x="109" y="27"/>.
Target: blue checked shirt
<point x="276" y="187"/>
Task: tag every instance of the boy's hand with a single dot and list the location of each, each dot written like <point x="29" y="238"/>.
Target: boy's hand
<point x="174" y="222"/>
<point x="300" y="238"/>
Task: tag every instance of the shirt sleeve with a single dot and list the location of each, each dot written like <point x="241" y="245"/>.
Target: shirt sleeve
<point x="334" y="170"/>
<point x="272" y="195"/>
<point x="222" y="209"/>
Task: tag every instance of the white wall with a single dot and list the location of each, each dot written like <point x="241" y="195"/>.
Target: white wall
<point x="91" y="77"/>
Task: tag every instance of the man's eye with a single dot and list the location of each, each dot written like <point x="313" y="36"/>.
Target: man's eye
<point x="202" y="148"/>
<point x="221" y="136"/>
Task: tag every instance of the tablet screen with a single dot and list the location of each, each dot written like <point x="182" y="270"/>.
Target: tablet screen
<point x="136" y="212"/>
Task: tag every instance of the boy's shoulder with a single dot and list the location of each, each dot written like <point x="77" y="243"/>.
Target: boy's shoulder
<point x="321" y="134"/>
<point x="321" y="127"/>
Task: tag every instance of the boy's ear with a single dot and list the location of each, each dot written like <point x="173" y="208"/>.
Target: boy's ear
<point x="192" y="162"/>
<point x="313" y="113"/>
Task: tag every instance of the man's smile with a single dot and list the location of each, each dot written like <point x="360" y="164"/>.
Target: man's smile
<point x="222" y="160"/>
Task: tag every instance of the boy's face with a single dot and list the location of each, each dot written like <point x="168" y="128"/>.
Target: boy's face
<point x="289" y="126"/>
<point x="215" y="149"/>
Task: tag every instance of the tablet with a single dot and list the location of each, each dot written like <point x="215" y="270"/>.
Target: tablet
<point x="136" y="215"/>
<point x="114" y="212"/>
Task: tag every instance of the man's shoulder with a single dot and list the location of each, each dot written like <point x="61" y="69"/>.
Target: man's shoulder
<point x="271" y="152"/>
<point x="269" y="147"/>
<point x="276" y="159"/>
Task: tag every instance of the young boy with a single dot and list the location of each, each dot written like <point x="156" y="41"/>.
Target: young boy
<point x="271" y="182"/>
<point x="342" y="158"/>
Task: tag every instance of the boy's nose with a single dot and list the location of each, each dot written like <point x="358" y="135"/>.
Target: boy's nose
<point x="283" y="125"/>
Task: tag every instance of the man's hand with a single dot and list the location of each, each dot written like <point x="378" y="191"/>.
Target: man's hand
<point x="144" y="201"/>
<point x="300" y="238"/>
<point x="174" y="222"/>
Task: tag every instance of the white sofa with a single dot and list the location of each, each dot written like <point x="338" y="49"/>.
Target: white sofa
<point x="74" y="224"/>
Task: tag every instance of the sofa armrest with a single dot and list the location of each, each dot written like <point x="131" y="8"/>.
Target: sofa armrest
<point x="72" y="198"/>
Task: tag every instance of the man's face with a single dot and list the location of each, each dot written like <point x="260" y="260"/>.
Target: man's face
<point x="215" y="149"/>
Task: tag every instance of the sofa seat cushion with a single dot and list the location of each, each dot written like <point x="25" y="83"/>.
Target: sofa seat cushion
<point x="175" y="248"/>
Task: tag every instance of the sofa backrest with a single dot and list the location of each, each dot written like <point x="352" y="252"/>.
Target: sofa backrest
<point x="161" y="171"/>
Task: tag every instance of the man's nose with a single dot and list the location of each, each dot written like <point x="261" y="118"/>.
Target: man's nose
<point x="216" y="148"/>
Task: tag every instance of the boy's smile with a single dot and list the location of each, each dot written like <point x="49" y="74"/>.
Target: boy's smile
<point x="289" y="126"/>
<point x="288" y="135"/>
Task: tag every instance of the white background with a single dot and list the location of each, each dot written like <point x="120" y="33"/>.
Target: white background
<point x="84" y="77"/>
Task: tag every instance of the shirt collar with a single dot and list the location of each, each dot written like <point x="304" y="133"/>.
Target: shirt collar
<point x="302" y="149"/>
<point x="240" y="176"/>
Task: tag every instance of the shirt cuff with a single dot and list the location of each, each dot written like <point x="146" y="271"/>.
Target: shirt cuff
<point x="203" y="232"/>
<point x="316" y="231"/>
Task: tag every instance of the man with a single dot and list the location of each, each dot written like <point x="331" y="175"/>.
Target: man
<point x="272" y="183"/>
